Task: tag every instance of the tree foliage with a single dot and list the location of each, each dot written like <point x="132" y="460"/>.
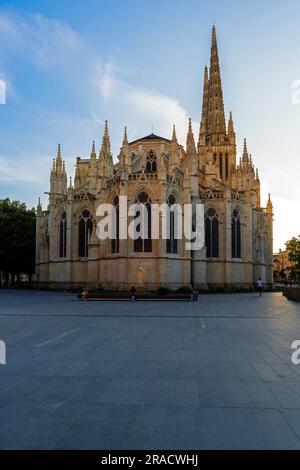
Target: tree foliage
<point x="17" y="238"/>
<point x="293" y="247"/>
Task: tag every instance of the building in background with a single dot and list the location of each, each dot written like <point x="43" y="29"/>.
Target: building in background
<point x="153" y="169"/>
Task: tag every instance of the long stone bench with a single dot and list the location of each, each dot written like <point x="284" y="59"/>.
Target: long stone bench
<point x="140" y="296"/>
<point x="292" y="293"/>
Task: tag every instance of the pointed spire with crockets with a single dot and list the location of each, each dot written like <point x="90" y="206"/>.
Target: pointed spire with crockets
<point x="216" y="128"/>
<point x="105" y="149"/>
<point x="204" y="116"/>
<point x="125" y="145"/>
<point x="231" y="131"/>
<point x="58" y="163"/>
<point x="105" y="158"/>
<point x="245" y="153"/>
<point x="93" y="152"/>
<point x="174" y="136"/>
<point x="190" y="141"/>
<point x="269" y="209"/>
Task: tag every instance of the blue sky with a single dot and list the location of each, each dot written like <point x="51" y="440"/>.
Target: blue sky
<point x="68" y="65"/>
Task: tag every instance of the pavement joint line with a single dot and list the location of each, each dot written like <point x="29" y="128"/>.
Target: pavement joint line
<point x="56" y="338"/>
<point x="243" y="317"/>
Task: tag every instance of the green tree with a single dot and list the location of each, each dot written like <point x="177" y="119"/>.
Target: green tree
<point x="293" y="247"/>
<point x="17" y="239"/>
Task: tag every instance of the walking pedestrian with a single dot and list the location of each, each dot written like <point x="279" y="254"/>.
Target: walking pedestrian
<point x="260" y="286"/>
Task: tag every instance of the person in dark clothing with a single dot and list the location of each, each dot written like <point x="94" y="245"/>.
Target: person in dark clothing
<point x="133" y="294"/>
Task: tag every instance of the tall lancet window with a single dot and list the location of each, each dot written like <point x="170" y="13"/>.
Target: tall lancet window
<point x="151" y="163"/>
<point x="221" y="165"/>
<point x="212" y="233"/>
<point x="115" y="242"/>
<point x="226" y="167"/>
<point x="63" y="235"/>
<point x="142" y="244"/>
<point x="85" y="231"/>
<point x="172" y="242"/>
<point x="236" y="243"/>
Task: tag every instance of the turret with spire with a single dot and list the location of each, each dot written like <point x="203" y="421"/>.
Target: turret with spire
<point x="269" y="209"/>
<point x="174" y="159"/>
<point x="105" y="157"/>
<point x="230" y="130"/>
<point x="93" y="168"/>
<point x="191" y="152"/>
<point x="58" y="177"/>
<point x="125" y="161"/>
<point x="190" y="141"/>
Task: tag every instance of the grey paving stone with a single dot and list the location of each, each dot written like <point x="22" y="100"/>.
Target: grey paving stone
<point x="31" y="412"/>
<point x="243" y="429"/>
<point x="246" y="371"/>
<point x="103" y="434"/>
<point x="266" y="372"/>
<point x="293" y="419"/>
<point x="212" y="431"/>
<point x="260" y="395"/>
<point x="234" y="394"/>
<point x="285" y="395"/>
<point x="226" y="371"/>
<point x="146" y="433"/>
<point x="210" y="393"/>
<point x="276" y="430"/>
<point x="180" y="433"/>
<point x="45" y="435"/>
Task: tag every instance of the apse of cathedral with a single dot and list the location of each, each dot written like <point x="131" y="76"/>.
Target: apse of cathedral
<point x="156" y="170"/>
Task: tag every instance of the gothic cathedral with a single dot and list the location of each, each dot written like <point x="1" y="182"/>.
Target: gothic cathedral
<point x="238" y="230"/>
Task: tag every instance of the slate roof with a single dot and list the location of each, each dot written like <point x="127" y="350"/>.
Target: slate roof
<point x="150" y="137"/>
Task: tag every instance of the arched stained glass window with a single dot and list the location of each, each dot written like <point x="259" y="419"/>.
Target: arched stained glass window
<point x="172" y="242"/>
<point x="85" y="231"/>
<point x="151" y="163"/>
<point x="63" y="235"/>
<point x="144" y="245"/>
<point x="236" y="239"/>
<point x="212" y="233"/>
<point x="115" y="243"/>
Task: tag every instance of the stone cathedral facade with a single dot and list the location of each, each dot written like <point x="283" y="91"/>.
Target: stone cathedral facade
<point x="238" y="229"/>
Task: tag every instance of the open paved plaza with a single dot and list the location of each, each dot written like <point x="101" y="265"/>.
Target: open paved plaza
<point x="216" y="374"/>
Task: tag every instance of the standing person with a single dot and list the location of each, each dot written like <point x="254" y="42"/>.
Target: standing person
<point x="133" y="294"/>
<point x="85" y="293"/>
<point x="260" y="286"/>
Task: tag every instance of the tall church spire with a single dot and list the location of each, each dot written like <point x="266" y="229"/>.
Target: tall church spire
<point x="190" y="141"/>
<point x="216" y="115"/>
<point x="203" y="124"/>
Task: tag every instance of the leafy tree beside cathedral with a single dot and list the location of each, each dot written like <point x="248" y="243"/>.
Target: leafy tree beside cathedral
<point x="293" y="248"/>
<point x="17" y="240"/>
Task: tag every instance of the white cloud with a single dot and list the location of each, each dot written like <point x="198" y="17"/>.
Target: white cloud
<point x="47" y="42"/>
<point x="27" y="169"/>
